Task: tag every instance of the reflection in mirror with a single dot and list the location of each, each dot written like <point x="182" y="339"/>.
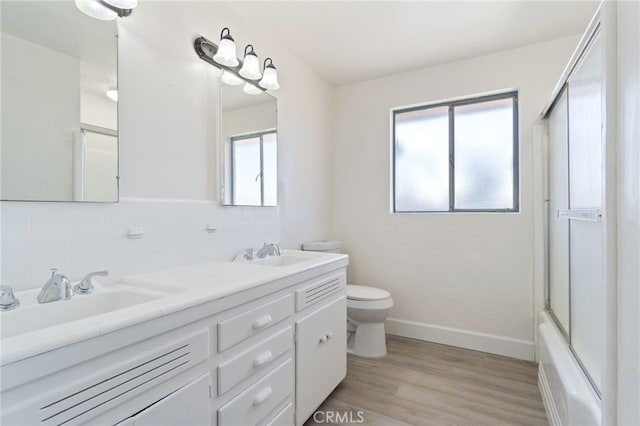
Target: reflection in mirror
<point x="59" y="128"/>
<point x="249" y="139"/>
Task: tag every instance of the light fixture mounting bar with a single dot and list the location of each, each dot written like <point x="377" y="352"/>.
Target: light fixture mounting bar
<point x="123" y="13"/>
<point x="207" y="49"/>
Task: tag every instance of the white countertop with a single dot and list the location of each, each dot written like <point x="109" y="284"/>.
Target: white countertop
<point x="183" y="287"/>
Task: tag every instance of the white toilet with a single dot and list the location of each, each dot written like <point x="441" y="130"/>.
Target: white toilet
<point x="367" y="309"/>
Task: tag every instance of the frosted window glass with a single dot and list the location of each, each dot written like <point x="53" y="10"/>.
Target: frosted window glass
<point x="484" y="155"/>
<point x="246" y="172"/>
<point x="422" y="160"/>
<point x="270" y="168"/>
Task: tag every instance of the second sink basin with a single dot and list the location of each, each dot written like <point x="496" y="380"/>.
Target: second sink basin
<point x="283" y="260"/>
<point x="31" y="315"/>
<point x="288" y="257"/>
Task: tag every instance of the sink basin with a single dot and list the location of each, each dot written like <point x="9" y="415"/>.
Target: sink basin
<point x="31" y="315"/>
<point x="283" y="260"/>
<point x="288" y="257"/>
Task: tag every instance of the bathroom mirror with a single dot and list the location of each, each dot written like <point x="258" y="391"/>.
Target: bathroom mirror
<point x="249" y="148"/>
<point x="59" y="125"/>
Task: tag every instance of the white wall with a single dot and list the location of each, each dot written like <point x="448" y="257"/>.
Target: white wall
<point x="40" y="112"/>
<point x="167" y="161"/>
<point x="629" y="214"/>
<point x="464" y="279"/>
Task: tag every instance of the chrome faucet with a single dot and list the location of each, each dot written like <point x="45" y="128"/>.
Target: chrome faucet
<point x="268" y="250"/>
<point x="57" y="287"/>
<point x="85" y="286"/>
<point x="8" y="300"/>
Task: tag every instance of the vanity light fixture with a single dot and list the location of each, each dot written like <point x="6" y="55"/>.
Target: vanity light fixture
<point x="270" y="76"/>
<point x="247" y="71"/>
<point x="106" y="10"/>
<point x="251" y="89"/>
<point x="250" y="65"/>
<point x="226" y="54"/>
<point x="231" y="79"/>
<point x="113" y="94"/>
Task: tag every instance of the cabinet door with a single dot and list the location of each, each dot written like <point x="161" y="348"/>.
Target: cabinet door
<point x="188" y="406"/>
<point x="321" y="356"/>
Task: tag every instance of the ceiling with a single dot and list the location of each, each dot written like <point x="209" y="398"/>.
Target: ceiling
<point x="350" y="41"/>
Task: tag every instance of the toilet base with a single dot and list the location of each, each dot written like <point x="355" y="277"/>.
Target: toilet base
<point x="368" y="341"/>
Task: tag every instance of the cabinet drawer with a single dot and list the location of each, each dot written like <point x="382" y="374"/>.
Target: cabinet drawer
<point x="283" y="418"/>
<point x="241" y="327"/>
<point x="256" y="402"/>
<point x="321" y="355"/>
<point x="254" y="359"/>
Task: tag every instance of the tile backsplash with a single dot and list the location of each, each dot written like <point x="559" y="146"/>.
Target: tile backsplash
<point x="80" y="238"/>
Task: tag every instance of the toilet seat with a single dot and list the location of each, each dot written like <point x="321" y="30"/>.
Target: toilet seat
<point x="364" y="293"/>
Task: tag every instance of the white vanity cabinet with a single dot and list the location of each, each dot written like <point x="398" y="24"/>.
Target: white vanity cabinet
<point x="188" y="406"/>
<point x="265" y="355"/>
<point x="321" y="342"/>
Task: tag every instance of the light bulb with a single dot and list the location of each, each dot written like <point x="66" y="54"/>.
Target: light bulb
<point x="226" y="54"/>
<point x="96" y="10"/>
<point x="250" y="89"/>
<point x="231" y="79"/>
<point x="270" y="77"/>
<point x="250" y="67"/>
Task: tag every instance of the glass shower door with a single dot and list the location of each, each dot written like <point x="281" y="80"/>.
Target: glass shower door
<point x="585" y="196"/>
<point x="576" y="283"/>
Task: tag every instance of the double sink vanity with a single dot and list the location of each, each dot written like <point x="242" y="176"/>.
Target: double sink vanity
<point x="253" y="341"/>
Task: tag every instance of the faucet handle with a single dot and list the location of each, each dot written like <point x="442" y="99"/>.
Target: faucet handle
<point x="248" y="253"/>
<point x="85" y="286"/>
<point x="8" y="300"/>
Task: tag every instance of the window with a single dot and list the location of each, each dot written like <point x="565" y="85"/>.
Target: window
<point x="459" y="156"/>
<point x="252" y="172"/>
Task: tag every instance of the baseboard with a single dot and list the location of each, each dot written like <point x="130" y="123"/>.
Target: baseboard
<point x="490" y="343"/>
<point x="547" y="398"/>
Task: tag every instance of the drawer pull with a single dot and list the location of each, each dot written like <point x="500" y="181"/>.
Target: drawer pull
<point x="262" y="359"/>
<point x="323" y="339"/>
<point x="261" y="322"/>
<point x="262" y="396"/>
<point x="330" y="335"/>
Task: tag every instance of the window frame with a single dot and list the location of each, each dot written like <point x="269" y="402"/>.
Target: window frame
<point x="452" y="104"/>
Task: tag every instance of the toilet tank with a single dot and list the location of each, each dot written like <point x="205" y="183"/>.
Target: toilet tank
<point x="323" y="245"/>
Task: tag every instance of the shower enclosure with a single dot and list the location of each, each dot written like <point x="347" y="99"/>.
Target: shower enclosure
<point x="575" y="292"/>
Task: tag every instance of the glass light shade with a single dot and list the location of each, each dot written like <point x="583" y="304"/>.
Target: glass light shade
<point x="231" y="79"/>
<point x="123" y="4"/>
<point x="226" y="54"/>
<point x="251" y="67"/>
<point x="113" y="94"/>
<point x="270" y="78"/>
<point x="250" y="89"/>
<point x="96" y="10"/>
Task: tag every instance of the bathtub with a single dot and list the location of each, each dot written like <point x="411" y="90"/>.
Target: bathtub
<point x="568" y="397"/>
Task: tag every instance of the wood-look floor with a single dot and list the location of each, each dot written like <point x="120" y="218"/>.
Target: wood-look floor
<point x="421" y="383"/>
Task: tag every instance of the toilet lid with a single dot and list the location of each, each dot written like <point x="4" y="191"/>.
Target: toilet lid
<point x="361" y="292"/>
